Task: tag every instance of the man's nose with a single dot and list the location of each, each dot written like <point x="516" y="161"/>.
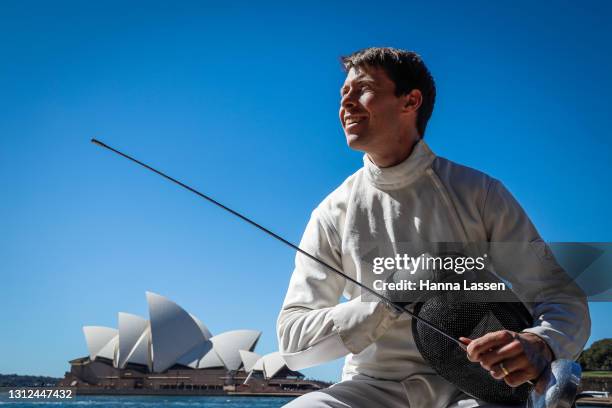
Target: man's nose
<point x="348" y="100"/>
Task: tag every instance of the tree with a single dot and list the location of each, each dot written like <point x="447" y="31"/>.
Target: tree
<point x="598" y="357"/>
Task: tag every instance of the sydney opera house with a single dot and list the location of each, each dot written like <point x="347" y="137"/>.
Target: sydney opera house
<point x="174" y="353"/>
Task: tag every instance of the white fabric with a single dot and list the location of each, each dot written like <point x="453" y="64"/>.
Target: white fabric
<point x="365" y="392"/>
<point x="423" y="199"/>
<point x="328" y="349"/>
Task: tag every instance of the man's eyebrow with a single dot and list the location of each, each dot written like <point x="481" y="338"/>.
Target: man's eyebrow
<point x="363" y="81"/>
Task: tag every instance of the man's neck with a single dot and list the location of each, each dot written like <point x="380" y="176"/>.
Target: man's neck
<point x="392" y="158"/>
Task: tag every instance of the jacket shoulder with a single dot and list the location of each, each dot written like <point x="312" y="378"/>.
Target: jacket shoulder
<point x="333" y="207"/>
<point x="468" y="186"/>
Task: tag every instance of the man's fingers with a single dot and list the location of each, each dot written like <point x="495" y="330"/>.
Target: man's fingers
<point x="488" y="342"/>
<point x="518" y="377"/>
<point x="508" y="352"/>
<point x="521" y="360"/>
<point x="512" y="365"/>
<point x="519" y="370"/>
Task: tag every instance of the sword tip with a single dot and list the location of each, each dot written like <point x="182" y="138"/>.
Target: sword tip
<point x="97" y="142"/>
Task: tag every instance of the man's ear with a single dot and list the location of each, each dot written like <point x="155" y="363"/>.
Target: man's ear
<point x="412" y="100"/>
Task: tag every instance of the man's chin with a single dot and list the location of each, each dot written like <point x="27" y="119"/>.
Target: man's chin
<point x="355" y="141"/>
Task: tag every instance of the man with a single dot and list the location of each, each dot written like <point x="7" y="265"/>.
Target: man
<point x="404" y="193"/>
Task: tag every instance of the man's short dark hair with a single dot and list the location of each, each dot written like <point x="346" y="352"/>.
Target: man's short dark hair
<point x="406" y="69"/>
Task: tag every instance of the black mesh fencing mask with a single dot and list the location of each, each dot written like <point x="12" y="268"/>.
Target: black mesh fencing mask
<point x="471" y="314"/>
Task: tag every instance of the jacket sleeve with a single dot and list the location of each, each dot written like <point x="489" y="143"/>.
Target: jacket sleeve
<point x="559" y="307"/>
<point x="313" y="327"/>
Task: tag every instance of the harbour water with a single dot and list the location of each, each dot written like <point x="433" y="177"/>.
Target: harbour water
<point x="151" y="402"/>
<point x="148" y="402"/>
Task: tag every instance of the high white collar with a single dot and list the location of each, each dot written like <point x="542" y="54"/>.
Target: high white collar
<point x="402" y="174"/>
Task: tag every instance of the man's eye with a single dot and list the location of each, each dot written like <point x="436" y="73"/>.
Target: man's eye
<point x="360" y="89"/>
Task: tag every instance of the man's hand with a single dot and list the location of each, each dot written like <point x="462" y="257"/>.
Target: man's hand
<point x="515" y="357"/>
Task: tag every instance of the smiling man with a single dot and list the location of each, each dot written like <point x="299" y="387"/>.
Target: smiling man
<point x="381" y="117"/>
<point x="404" y="193"/>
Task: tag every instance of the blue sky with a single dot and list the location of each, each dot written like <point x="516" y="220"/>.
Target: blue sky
<point x="241" y="102"/>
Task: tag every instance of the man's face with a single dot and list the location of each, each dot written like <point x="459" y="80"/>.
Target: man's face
<point x="371" y="115"/>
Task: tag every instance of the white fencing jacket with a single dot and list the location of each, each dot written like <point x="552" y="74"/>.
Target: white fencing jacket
<point x="425" y="198"/>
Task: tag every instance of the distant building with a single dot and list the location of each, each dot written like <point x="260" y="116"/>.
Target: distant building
<point x="174" y="353"/>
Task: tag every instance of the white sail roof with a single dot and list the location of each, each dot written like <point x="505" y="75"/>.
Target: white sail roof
<point x="110" y="350"/>
<point x="249" y="359"/>
<point x="173" y="336"/>
<point x="227" y="344"/>
<point x="270" y="364"/>
<point x="203" y="328"/>
<point x="97" y="337"/>
<point x="131" y="328"/>
<point x="168" y="320"/>
<point x="193" y="356"/>
<point x="141" y="353"/>
<point x="273" y="363"/>
<point x="210" y="360"/>
<point x="259" y="365"/>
